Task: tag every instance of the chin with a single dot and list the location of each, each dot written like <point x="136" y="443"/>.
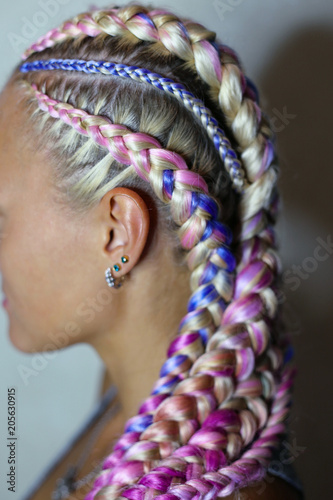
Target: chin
<point x="20" y="339"/>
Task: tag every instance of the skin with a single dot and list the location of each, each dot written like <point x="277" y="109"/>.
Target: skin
<point x="53" y="266"/>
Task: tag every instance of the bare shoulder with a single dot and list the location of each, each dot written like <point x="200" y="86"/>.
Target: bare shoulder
<point x="269" y="488"/>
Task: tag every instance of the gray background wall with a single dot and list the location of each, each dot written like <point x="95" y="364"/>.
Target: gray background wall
<point x="286" y="48"/>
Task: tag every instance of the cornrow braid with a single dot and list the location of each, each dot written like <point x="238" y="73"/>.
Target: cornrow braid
<point x="218" y="66"/>
<point x="221" y="142"/>
<point x="224" y="392"/>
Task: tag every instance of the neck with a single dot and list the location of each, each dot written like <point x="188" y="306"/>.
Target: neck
<point x="135" y="348"/>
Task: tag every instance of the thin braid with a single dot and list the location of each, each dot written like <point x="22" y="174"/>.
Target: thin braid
<point x="195" y="105"/>
<point x="211" y="400"/>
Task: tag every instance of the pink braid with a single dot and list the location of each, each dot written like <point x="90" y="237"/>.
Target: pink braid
<point x="216" y="401"/>
<point x="201" y="444"/>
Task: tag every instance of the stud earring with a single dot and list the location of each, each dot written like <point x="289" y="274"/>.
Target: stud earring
<point x="108" y="274"/>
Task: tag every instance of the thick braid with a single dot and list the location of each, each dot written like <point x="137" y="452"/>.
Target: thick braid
<point x="177" y="419"/>
<point x="216" y="64"/>
<point x="224" y="386"/>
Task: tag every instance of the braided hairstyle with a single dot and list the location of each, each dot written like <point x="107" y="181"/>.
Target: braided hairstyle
<point x="215" y="414"/>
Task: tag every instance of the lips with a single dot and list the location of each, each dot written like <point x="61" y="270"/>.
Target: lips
<point x="4" y="299"/>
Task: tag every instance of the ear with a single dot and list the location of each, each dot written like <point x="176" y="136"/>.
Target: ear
<point x="125" y="222"/>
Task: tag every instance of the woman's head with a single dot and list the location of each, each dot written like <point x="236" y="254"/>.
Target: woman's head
<point x="65" y="157"/>
<point x="53" y="260"/>
<point x="53" y="256"/>
<point x="54" y="157"/>
<point x="96" y="132"/>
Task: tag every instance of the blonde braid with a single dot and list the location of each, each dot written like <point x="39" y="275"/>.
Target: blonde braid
<point x="220" y="69"/>
<point x="220" y="399"/>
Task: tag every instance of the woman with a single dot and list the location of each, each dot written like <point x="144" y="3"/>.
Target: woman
<point x="138" y="175"/>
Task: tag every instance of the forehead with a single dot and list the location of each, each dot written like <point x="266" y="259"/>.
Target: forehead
<point x="9" y="103"/>
<point x="13" y="121"/>
<point x="22" y="167"/>
<point x="10" y="165"/>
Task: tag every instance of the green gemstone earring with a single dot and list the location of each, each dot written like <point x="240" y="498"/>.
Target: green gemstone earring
<point x="108" y="275"/>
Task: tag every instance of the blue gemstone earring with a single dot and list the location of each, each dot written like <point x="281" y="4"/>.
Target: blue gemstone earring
<point x="108" y="274"/>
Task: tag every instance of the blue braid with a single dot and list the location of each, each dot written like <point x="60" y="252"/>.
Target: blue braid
<point x="221" y="142"/>
<point x="206" y="293"/>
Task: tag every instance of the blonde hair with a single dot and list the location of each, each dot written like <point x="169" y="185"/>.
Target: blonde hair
<point x="216" y="413"/>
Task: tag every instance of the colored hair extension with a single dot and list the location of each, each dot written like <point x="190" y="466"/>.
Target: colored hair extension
<point x="224" y="392"/>
<point x="221" y="142"/>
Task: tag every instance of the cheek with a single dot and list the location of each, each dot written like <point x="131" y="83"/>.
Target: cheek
<point x="24" y="265"/>
<point x="52" y="282"/>
<point x="36" y="278"/>
<point x="23" y="282"/>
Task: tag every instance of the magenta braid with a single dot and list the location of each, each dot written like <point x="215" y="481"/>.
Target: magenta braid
<point x="209" y="425"/>
<point x="212" y="400"/>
